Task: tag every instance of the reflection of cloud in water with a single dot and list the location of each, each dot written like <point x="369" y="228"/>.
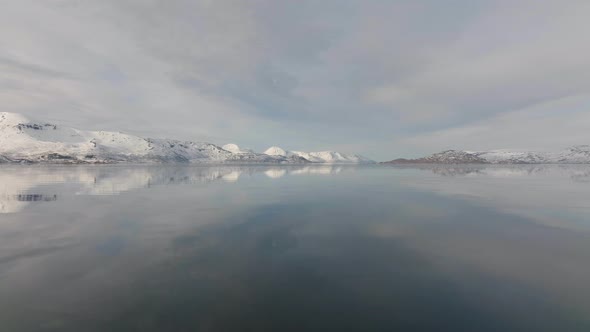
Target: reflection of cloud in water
<point x="8" y="205"/>
<point x="20" y="185"/>
<point x="203" y="256"/>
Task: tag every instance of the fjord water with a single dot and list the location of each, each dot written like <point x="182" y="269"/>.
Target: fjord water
<point x="187" y="248"/>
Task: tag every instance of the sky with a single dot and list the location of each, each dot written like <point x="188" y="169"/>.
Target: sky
<point x="385" y="79"/>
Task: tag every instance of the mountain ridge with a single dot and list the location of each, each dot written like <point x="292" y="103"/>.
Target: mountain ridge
<point x="578" y="154"/>
<point x="327" y="157"/>
<point x="25" y="140"/>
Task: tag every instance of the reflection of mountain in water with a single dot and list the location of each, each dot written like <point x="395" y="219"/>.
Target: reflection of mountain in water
<point x="21" y="185"/>
<point x="275" y="173"/>
<point x="13" y="203"/>
<point x="582" y="176"/>
<point x="578" y="173"/>
<point x="31" y="198"/>
<point x="538" y="192"/>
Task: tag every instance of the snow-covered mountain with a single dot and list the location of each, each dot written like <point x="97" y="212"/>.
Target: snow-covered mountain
<point x="26" y="140"/>
<point x="332" y="157"/>
<point x="275" y="151"/>
<point x="249" y="156"/>
<point x="574" y="155"/>
<point x="327" y="157"/>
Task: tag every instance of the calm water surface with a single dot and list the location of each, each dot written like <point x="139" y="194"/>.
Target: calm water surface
<point x="152" y="248"/>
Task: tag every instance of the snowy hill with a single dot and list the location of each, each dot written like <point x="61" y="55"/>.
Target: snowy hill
<point x="275" y="151"/>
<point x="27" y="140"/>
<point x="247" y="155"/>
<point x="332" y="157"/>
<point x="327" y="157"/>
<point x="574" y="155"/>
<point x="234" y="148"/>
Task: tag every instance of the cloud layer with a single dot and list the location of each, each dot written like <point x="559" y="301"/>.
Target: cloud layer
<point x="383" y="78"/>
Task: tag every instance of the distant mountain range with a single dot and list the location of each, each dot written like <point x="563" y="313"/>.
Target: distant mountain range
<point x="24" y="140"/>
<point x="319" y="157"/>
<point x="574" y="155"/>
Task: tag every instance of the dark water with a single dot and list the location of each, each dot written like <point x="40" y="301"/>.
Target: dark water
<point x="140" y="248"/>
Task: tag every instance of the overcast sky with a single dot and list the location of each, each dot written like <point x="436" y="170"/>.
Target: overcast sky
<point x="382" y="78"/>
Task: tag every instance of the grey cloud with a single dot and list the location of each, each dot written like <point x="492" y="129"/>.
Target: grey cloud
<point x="33" y="69"/>
<point x="381" y="77"/>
